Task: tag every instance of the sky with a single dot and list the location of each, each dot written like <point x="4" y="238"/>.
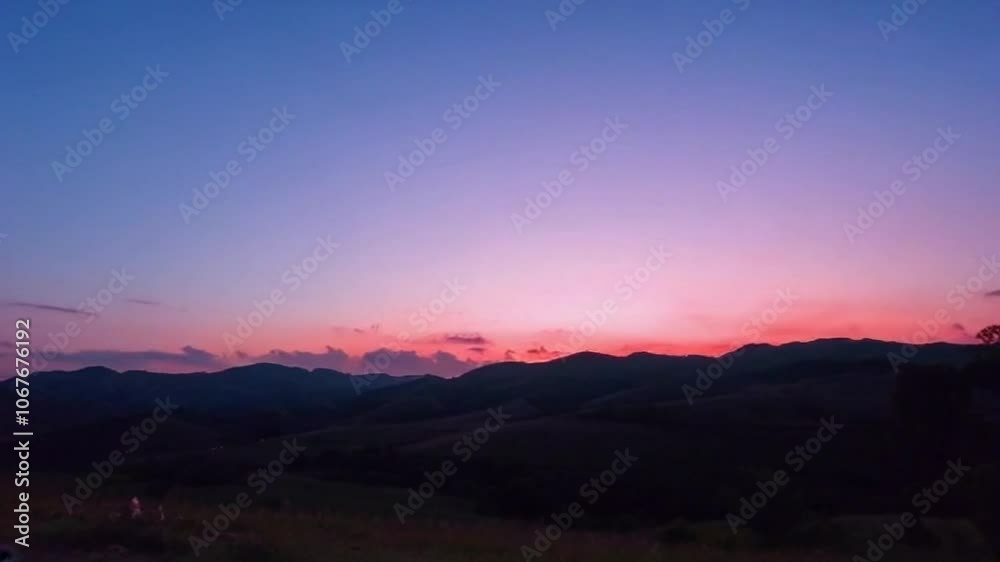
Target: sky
<point x="413" y="187"/>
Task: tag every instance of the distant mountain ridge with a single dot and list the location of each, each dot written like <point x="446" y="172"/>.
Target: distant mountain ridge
<point x="826" y="348"/>
<point x="266" y="391"/>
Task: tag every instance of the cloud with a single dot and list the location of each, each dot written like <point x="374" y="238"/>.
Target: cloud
<point x="966" y="336"/>
<point x="391" y="361"/>
<point x="467" y="339"/>
<point x="542" y="352"/>
<point x="189" y="358"/>
<point x="145" y="302"/>
<point x="993" y="294"/>
<point x="479" y="350"/>
<point x="329" y="358"/>
<point x="509" y="355"/>
<point x="44" y="307"/>
<point x="196" y="355"/>
<point x="373" y="329"/>
<point x="407" y="362"/>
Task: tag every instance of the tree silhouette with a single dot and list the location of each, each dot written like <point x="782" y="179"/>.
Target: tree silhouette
<point x="990" y="335"/>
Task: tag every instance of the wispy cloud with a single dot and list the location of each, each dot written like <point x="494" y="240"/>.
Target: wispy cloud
<point x="44" y="307"/>
<point x="466" y="339"/>
<point x="542" y="352"/>
<point x="145" y="302"/>
<point x="993" y="294"/>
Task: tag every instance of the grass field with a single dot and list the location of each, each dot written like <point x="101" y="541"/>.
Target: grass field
<point x="299" y="520"/>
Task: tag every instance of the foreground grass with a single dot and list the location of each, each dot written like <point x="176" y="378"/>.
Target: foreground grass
<point x="268" y="532"/>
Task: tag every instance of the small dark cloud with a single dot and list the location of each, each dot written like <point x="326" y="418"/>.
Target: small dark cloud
<point x="44" y="307"/>
<point x="200" y="356"/>
<point x="477" y="350"/>
<point x="542" y="352"/>
<point x="961" y="331"/>
<point x="145" y="302"/>
<point x="467" y="339"/>
<point x="993" y="294"/>
<point x="509" y="355"/>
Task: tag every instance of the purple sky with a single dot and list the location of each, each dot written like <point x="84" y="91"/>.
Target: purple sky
<point x="627" y="138"/>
